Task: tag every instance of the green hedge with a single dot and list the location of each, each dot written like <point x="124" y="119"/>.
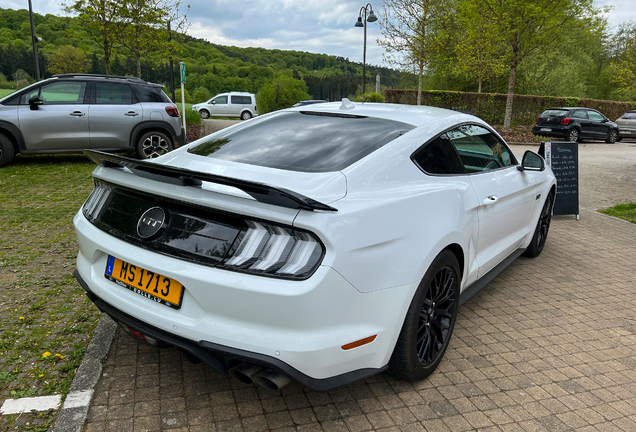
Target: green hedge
<point x="491" y="107"/>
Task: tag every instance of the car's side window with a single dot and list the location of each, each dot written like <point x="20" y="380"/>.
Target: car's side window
<point x="580" y="114"/>
<point x="221" y="100"/>
<point x="58" y="93"/>
<point x="479" y="149"/>
<point x="595" y="116"/>
<point x="439" y="157"/>
<point x="113" y="94"/>
<point x="149" y="94"/>
<point x="240" y="100"/>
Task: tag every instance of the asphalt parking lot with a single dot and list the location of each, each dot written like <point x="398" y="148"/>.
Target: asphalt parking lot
<point x="549" y="345"/>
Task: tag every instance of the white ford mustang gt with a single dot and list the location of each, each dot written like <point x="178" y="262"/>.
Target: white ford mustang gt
<point x="321" y="244"/>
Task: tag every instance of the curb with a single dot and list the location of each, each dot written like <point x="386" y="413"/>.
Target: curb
<point x="75" y="408"/>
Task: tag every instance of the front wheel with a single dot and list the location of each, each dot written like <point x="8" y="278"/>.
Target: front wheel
<point x="153" y="144"/>
<point x="612" y="137"/>
<point x="6" y="151"/>
<point x="204" y="114"/>
<point x="573" y="135"/>
<point x="429" y="321"/>
<point x="541" y="231"/>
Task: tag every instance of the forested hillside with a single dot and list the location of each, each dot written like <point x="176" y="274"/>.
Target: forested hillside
<point x="211" y="68"/>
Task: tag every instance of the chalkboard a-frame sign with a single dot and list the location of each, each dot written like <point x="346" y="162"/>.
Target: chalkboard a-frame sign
<point x="563" y="158"/>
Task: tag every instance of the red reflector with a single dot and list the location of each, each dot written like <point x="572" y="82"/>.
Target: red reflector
<point x="172" y="111"/>
<point x="537" y="120"/>
<point x="136" y="334"/>
<point x="565" y="121"/>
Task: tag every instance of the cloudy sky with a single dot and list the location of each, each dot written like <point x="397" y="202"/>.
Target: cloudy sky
<point x="318" y="26"/>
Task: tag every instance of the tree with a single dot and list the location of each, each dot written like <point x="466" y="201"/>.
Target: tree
<point x="104" y="22"/>
<point x="623" y="68"/>
<point x="281" y="93"/>
<point x="477" y="49"/>
<point x="68" y="59"/>
<point x="408" y="30"/>
<point x="149" y="24"/>
<point x="526" y="26"/>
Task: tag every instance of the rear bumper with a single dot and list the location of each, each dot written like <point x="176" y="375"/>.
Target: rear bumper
<point x="557" y="132"/>
<point x="627" y="132"/>
<point x="180" y="139"/>
<point x="219" y="356"/>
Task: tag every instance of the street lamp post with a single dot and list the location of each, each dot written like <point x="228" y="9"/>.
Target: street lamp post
<point x="368" y="9"/>
<point x="34" y="40"/>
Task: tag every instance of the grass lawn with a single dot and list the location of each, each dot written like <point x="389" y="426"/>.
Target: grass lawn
<point x="46" y="321"/>
<point x="4" y="92"/>
<point x="623" y="211"/>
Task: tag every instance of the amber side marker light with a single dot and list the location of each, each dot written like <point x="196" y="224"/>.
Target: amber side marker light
<point x="361" y="342"/>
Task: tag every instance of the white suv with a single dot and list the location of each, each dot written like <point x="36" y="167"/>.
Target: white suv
<point x="233" y="104"/>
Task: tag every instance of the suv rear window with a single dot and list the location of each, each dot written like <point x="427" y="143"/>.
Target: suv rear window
<point x="150" y="94"/>
<point x="304" y="141"/>
<point x="554" y="112"/>
<point x="629" y="116"/>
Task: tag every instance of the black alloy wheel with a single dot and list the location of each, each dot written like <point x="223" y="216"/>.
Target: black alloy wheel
<point x="541" y="231"/>
<point x="429" y="322"/>
<point x="436" y="315"/>
<point x="573" y="135"/>
<point x="612" y="137"/>
<point x="205" y="114"/>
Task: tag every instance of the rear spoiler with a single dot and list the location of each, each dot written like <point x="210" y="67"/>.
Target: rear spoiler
<point x="183" y="177"/>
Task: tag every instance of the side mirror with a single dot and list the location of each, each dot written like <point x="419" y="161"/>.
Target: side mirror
<point x="213" y="102"/>
<point x="531" y="162"/>
<point x="34" y="102"/>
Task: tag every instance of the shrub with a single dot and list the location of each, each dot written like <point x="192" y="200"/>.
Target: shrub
<point x="177" y="95"/>
<point x="370" y="97"/>
<point x="192" y="117"/>
<point x="201" y="94"/>
<point x="281" y="93"/>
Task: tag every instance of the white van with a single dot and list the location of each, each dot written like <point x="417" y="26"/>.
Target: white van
<point x="232" y="104"/>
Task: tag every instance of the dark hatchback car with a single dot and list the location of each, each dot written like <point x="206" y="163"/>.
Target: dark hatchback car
<point x="576" y="124"/>
<point x="627" y="125"/>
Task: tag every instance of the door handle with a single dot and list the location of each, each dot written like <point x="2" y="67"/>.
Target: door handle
<point x="131" y="114"/>
<point x="490" y="200"/>
<point x="77" y="114"/>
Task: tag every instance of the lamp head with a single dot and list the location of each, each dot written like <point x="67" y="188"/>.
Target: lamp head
<point x="372" y="17"/>
<point x="359" y="22"/>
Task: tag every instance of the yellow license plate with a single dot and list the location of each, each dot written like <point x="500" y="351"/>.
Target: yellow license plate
<point x="154" y="286"/>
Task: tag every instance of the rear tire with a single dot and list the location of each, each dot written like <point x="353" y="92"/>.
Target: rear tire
<point x="204" y="114"/>
<point x="541" y="231"/>
<point x="573" y="135"/>
<point x="7" y="152"/>
<point x="612" y="137"/>
<point x="429" y="322"/>
<point x="153" y="144"/>
<point x="246" y="115"/>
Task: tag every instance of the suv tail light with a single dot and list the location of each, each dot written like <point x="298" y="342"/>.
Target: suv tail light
<point x="275" y="251"/>
<point x="565" y="121"/>
<point x="537" y="120"/>
<point x="172" y="111"/>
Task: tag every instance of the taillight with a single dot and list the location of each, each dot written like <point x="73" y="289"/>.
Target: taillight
<point x="275" y="251"/>
<point x="565" y="121"/>
<point x="95" y="202"/>
<point x="255" y="110"/>
<point x="172" y="111"/>
<point x="537" y="120"/>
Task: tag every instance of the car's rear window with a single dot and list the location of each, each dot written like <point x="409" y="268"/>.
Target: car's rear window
<point x="629" y="116"/>
<point x="304" y="141"/>
<point x="554" y="112"/>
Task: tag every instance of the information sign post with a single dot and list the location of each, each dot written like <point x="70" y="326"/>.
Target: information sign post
<point x="183" y="80"/>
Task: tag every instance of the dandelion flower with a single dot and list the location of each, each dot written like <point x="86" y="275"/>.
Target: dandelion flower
<point x="46" y="354"/>
<point x="41" y="375"/>
<point x="21" y="318"/>
<point x="60" y="356"/>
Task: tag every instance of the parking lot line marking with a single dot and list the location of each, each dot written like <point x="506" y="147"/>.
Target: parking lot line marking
<point x="38" y="403"/>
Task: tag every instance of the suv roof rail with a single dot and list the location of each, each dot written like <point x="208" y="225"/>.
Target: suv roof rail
<point x="72" y="75"/>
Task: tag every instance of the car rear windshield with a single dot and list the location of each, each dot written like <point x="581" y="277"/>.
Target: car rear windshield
<point x="554" y="112"/>
<point x="304" y="141"/>
<point x="629" y="116"/>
